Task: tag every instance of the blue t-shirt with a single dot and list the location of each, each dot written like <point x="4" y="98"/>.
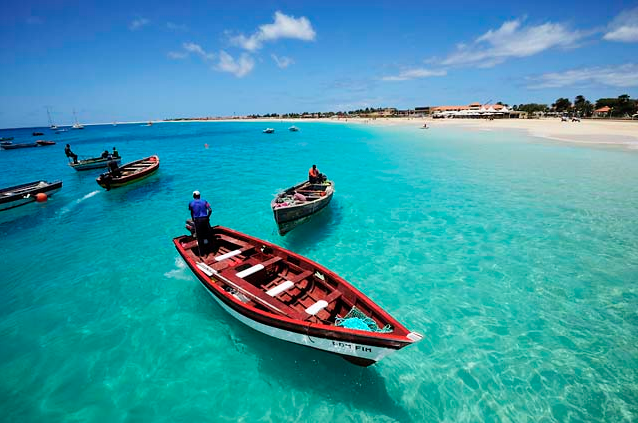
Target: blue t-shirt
<point x="199" y="208"/>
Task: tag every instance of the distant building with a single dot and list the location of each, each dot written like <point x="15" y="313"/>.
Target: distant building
<point x="602" y="112"/>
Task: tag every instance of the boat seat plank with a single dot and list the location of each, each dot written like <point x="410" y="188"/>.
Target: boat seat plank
<point x="260" y="297"/>
<point x="298" y="278"/>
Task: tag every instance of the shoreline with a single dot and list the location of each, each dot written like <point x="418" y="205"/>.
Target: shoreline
<point x="587" y="131"/>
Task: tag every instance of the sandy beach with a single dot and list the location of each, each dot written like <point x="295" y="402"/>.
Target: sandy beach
<point x="588" y="131"/>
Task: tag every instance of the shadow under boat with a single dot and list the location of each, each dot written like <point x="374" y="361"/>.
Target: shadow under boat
<point x="304" y="238"/>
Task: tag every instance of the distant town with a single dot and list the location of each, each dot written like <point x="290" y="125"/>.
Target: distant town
<point x="622" y="107"/>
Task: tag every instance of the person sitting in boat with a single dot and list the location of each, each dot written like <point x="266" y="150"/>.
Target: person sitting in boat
<point x="114" y="169"/>
<point x="314" y="176"/>
<point x="71" y="154"/>
<point x="105" y="154"/>
<point x="200" y="212"/>
<point x="115" y="153"/>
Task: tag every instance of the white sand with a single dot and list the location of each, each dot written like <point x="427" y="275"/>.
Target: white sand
<point x="588" y="131"/>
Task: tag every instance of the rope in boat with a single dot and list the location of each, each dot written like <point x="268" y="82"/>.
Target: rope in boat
<point x="356" y="319"/>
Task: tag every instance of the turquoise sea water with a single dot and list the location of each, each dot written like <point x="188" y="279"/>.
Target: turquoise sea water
<point x="517" y="258"/>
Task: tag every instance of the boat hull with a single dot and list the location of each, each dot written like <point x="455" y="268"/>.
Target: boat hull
<point x="136" y="175"/>
<point x="356" y="353"/>
<point x="17" y="146"/>
<point x="92" y="164"/>
<point x="289" y="217"/>
<point x="24" y="194"/>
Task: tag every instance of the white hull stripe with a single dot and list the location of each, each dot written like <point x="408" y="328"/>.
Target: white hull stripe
<point x="352" y="349"/>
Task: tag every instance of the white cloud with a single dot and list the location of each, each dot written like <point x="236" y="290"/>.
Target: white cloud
<point x="197" y="49"/>
<point x="414" y="74"/>
<point x="284" y="26"/>
<point x="176" y="27"/>
<point x="177" y="55"/>
<point x="138" y="24"/>
<point x="511" y="40"/>
<point x="239" y="68"/>
<point x="619" y="76"/>
<point x="188" y="49"/>
<point x="624" y="27"/>
<point x="283" y="62"/>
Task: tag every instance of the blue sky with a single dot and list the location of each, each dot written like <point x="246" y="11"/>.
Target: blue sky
<point x="153" y="60"/>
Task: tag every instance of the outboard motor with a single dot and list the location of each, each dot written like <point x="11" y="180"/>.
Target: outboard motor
<point x="190" y="225"/>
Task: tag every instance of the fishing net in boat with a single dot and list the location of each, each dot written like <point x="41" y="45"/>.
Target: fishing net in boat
<point x="356" y="319"/>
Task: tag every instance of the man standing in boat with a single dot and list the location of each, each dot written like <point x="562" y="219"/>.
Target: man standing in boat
<point x="71" y="154"/>
<point x="200" y="212"/>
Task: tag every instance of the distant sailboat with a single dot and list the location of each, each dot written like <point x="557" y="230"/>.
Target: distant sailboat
<point x="51" y="125"/>
<point x="76" y="125"/>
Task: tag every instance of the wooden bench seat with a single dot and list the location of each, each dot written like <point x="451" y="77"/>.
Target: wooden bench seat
<point x="259" y="296"/>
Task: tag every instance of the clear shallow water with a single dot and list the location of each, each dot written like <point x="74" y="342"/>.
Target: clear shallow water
<point x="516" y="257"/>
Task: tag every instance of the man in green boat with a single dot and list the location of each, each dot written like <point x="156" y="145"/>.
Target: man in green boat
<point x="70" y="154"/>
<point x="200" y="212"/>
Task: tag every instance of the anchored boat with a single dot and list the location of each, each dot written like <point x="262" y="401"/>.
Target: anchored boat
<point x="299" y="203"/>
<point x="292" y="298"/>
<point x="94" y="163"/>
<point x="20" y="195"/>
<point x="129" y="173"/>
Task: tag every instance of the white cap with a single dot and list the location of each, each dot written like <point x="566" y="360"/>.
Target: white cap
<point x="195" y="192"/>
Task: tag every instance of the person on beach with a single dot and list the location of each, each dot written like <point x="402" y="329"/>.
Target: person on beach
<point x="200" y="213"/>
<point x="71" y="154"/>
<point x="115" y="154"/>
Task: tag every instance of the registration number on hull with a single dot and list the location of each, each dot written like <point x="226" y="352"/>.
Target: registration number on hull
<point x="352" y="347"/>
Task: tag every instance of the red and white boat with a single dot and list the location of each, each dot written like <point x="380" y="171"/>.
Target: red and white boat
<point x="290" y="297"/>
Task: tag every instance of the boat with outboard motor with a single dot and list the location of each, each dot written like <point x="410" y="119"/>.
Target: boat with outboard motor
<point x="299" y="203"/>
<point x="128" y="173"/>
<point x="20" y="195"/>
<point x="292" y="298"/>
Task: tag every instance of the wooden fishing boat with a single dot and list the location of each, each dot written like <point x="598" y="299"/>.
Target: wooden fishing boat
<point x="43" y="143"/>
<point x="268" y="131"/>
<point x="6" y="139"/>
<point x="26" y="193"/>
<point x="291" y="210"/>
<point x="94" y="163"/>
<point x="129" y="173"/>
<point x="290" y="297"/>
<point x="12" y="146"/>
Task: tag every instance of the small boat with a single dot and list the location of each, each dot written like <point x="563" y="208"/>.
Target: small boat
<point x="6" y="142"/>
<point x="268" y="131"/>
<point x="94" y="163"/>
<point x="290" y="297"/>
<point x="12" y="146"/>
<point x="26" y="193"/>
<point x="298" y="204"/>
<point x="43" y="143"/>
<point x="293" y="128"/>
<point x="59" y="131"/>
<point x="76" y="125"/>
<point x="52" y="126"/>
<point x="35" y="134"/>
<point x="129" y="173"/>
<point x="6" y="139"/>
